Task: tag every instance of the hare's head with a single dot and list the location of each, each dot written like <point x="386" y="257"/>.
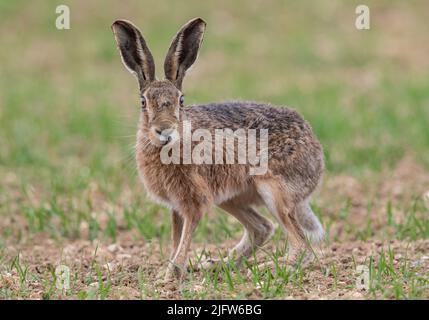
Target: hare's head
<point x="161" y="100"/>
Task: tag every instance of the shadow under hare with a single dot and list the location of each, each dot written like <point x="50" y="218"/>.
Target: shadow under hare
<point x="294" y="161"/>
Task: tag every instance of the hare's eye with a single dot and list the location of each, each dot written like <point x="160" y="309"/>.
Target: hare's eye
<point x="181" y="100"/>
<point x="143" y="102"/>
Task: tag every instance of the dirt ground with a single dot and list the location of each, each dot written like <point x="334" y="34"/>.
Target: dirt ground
<point x="132" y="268"/>
<point x="129" y="256"/>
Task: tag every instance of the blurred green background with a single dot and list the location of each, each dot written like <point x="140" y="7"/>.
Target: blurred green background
<point x="68" y="108"/>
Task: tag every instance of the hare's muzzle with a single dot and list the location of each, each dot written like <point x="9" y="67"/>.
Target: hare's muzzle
<point x="165" y="135"/>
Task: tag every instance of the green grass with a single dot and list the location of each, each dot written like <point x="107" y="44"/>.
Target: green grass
<point x="391" y="280"/>
<point x="68" y="114"/>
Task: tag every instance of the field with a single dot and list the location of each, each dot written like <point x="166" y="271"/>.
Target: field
<point x="69" y="191"/>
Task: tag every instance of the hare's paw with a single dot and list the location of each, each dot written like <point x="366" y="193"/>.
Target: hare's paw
<point x="173" y="273"/>
<point x="208" y="264"/>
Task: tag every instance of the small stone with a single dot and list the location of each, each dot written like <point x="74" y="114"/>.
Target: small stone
<point x="114" y="248"/>
<point x="124" y="256"/>
<point x="419" y="262"/>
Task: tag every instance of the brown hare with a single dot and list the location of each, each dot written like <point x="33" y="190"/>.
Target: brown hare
<point x="294" y="163"/>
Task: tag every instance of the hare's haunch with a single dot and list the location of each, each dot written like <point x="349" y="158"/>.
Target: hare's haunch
<point x="294" y="157"/>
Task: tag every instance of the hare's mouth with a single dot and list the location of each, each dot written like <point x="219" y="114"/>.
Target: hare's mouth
<point x="165" y="137"/>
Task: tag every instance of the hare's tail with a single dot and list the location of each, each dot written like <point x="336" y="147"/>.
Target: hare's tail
<point x="310" y="224"/>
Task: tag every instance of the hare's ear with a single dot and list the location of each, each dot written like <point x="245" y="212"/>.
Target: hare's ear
<point x="184" y="50"/>
<point x="135" y="54"/>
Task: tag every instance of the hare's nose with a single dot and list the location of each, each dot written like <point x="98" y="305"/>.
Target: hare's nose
<point x="164" y="135"/>
<point x="164" y="131"/>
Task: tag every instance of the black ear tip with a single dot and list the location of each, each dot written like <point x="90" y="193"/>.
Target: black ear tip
<point x="125" y="24"/>
<point x="118" y="24"/>
<point x="197" y="21"/>
<point x="114" y="25"/>
<point x="200" y="20"/>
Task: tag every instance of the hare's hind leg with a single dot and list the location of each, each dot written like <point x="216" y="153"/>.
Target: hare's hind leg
<point x="281" y="202"/>
<point x="258" y="230"/>
<point x="309" y="222"/>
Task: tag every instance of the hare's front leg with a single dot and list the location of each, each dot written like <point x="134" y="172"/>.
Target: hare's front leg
<point x="176" y="231"/>
<point x="177" y="265"/>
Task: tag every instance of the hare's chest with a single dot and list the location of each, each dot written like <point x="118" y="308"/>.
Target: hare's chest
<point x="154" y="183"/>
<point x="162" y="182"/>
<point x="176" y="186"/>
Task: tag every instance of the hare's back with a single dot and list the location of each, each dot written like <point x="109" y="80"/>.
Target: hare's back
<point x="247" y="115"/>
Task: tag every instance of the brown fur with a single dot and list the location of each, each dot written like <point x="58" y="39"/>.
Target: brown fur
<point x="295" y="156"/>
